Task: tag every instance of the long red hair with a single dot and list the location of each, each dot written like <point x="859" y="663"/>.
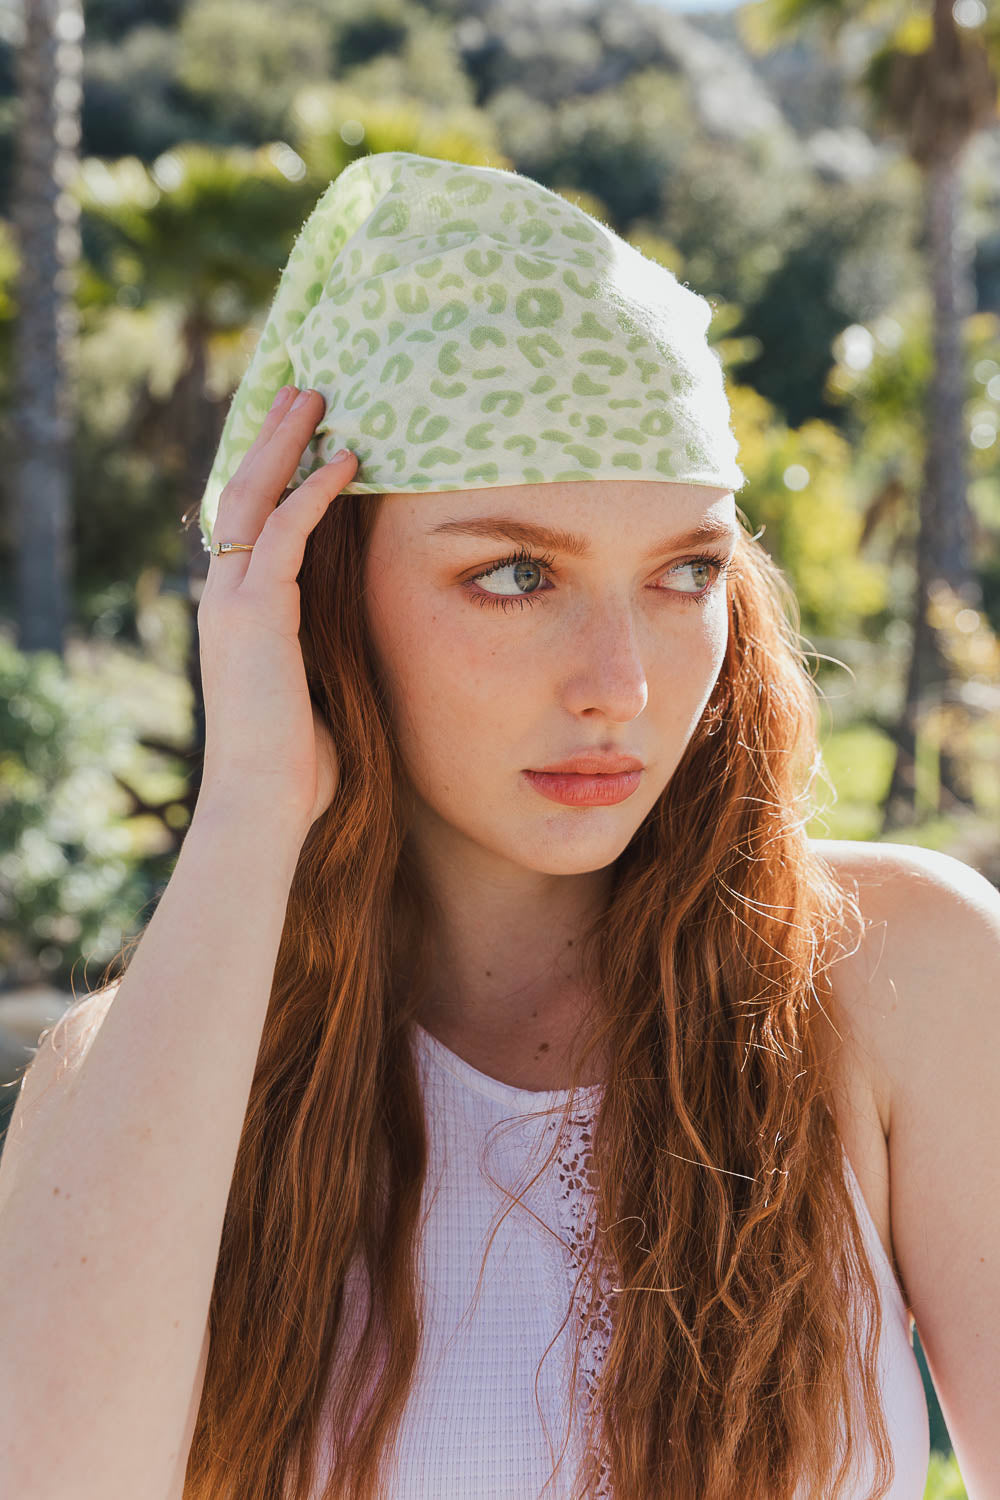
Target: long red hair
<point x="720" y="1213"/>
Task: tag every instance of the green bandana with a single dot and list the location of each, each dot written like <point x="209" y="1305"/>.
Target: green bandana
<point x="468" y="328"/>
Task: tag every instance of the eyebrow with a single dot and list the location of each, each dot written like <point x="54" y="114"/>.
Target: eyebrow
<point x="571" y="544"/>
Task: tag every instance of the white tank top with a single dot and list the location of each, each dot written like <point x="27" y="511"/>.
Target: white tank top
<point x="491" y="1400"/>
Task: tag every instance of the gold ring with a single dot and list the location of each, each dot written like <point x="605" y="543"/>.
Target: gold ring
<point x="219" y="547"/>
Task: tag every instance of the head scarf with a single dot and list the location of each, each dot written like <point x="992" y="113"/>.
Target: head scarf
<point x="469" y="328"/>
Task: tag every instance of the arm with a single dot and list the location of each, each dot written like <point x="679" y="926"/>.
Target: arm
<point x="116" y="1174"/>
<point x="943" y="929"/>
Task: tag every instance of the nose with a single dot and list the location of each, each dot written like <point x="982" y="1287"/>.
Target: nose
<point x="606" y="676"/>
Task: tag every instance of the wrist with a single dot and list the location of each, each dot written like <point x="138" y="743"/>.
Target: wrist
<point x="225" y="813"/>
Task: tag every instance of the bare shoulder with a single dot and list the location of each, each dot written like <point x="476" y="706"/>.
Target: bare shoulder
<point x="917" y="903"/>
<point x="920" y="909"/>
<point x="931" y="1019"/>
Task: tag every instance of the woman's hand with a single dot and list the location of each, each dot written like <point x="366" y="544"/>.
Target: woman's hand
<point x="264" y="741"/>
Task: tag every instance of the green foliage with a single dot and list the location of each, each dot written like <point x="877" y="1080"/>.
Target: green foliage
<point x="370" y="31"/>
<point x="336" y="125"/>
<point x="800" y="490"/>
<point x="858" y="760"/>
<point x="243" y="61"/>
<point x="201" y="217"/>
<point x="881" y="376"/>
<point x="132" y="102"/>
<point x="846" y="256"/>
<point x="623" y="144"/>
<point x="69" y="878"/>
<point x="425" y="66"/>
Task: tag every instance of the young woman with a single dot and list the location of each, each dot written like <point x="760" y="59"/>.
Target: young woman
<point x="507" y="1097"/>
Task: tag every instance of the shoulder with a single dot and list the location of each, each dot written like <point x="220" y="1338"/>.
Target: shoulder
<point x="910" y="866"/>
<point x="930" y="1015"/>
<point x="930" y="947"/>
<point x="928" y="917"/>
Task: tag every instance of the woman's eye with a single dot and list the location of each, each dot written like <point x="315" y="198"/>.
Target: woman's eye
<point x="700" y="566"/>
<point x="514" y="580"/>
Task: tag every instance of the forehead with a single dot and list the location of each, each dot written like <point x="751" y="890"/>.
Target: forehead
<point x="643" y="510"/>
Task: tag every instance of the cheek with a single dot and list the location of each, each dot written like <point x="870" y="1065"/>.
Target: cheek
<point x="450" y="685"/>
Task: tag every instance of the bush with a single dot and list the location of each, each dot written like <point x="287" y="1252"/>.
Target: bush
<point x="70" y="880"/>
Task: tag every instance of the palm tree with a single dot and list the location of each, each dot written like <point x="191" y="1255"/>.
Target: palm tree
<point x="44" y="216"/>
<point x="932" y="79"/>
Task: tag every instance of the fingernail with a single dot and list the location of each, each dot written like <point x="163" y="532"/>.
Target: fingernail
<point x="302" y="398"/>
<point x="281" y="396"/>
<point x="340" y="455"/>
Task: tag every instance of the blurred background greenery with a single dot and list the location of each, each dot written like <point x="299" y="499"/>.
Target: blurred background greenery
<point x="826" y="172"/>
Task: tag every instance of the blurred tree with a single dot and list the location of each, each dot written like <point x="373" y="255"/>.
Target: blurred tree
<point x="882" y="378"/>
<point x="425" y="66"/>
<point x="843" y="253"/>
<point x="45" y="224"/>
<point x="932" y="78"/>
<point x="112" y="20"/>
<point x="799" y="496"/>
<point x="242" y="62"/>
<point x="134" y="103"/>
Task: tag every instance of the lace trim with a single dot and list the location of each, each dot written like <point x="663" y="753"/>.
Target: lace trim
<point x="594" y="1296"/>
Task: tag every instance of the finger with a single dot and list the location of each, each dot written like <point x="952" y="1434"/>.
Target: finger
<point x="281" y="455"/>
<point x="254" y="490"/>
<point x="277" y="557"/>
<point x="279" y="406"/>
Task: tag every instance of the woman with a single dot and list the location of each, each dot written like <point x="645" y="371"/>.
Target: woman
<point x="566" y="1151"/>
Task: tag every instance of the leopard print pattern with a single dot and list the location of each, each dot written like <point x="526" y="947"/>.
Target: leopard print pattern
<point x="469" y="328"/>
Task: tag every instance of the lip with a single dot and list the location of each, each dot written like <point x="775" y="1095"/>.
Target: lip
<point x="592" y="763"/>
<point x="576" y="790"/>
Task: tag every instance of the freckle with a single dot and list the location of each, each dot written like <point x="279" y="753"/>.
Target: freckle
<point x="569" y="942"/>
<point x="534" y="1014"/>
<point x="83" y="1260"/>
<point x="55" y="1192"/>
<point x="543" y="1046"/>
<point x="489" y="973"/>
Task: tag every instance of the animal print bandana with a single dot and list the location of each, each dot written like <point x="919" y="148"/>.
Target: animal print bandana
<point x="469" y="328"/>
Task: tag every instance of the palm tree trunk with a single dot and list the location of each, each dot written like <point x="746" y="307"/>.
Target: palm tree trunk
<point x="945" y="533"/>
<point x="45" y="219"/>
<point x="900" y="807"/>
<point x="954" y="300"/>
<point x="952" y="280"/>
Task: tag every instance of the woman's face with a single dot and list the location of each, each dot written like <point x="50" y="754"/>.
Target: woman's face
<point x="505" y="654"/>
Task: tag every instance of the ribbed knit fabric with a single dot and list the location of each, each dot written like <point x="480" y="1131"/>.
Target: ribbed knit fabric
<point x="492" y="1401"/>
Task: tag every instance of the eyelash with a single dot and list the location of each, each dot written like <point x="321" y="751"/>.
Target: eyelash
<point x="720" y="564"/>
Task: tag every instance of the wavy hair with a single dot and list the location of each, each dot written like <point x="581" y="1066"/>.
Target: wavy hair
<point x="721" y="1218"/>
